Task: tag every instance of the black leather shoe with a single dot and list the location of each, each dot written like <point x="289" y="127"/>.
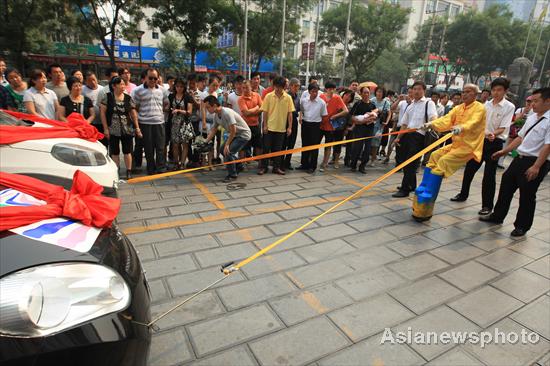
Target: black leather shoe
<point x="518" y="232"/>
<point x="301" y="167"/>
<point x="400" y="194"/>
<point x="490" y="218"/>
<point x="484" y="211"/>
<point x="459" y="198"/>
<point x="311" y="171"/>
<point x="362" y="170"/>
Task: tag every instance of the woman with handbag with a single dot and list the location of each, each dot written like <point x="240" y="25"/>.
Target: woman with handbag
<point x="120" y="123"/>
<point x="182" y="133"/>
<point x="384" y="115"/>
<point x="334" y="125"/>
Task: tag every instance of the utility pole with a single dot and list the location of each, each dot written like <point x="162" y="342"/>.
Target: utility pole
<point x="440" y="54"/>
<point x="427" y="58"/>
<point x="346" y="39"/>
<point x="543" y="63"/>
<point x="245" y="40"/>
<point x="282" y="52"/>
<point x="316" y="38"/>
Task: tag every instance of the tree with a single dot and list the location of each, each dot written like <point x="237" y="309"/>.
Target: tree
<point x="372" y="29"/>
<point x="390" y="68"/>
<point x="172" y="53"/>
<point x="109" y="18"/>
<point x="264" y="26"/>
<point x="196" y="21"/>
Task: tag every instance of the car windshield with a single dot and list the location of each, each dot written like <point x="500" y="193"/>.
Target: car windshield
<point x="9" y="120"/>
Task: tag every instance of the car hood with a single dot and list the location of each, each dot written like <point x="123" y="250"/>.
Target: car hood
<point x="46" y="145"/>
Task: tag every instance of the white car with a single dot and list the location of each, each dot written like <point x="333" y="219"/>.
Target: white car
<point x="55" y="160"/>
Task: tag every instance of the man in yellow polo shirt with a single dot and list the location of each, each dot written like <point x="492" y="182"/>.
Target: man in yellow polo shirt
<point x="467" y="123"/>
<point x="277" y="109"/>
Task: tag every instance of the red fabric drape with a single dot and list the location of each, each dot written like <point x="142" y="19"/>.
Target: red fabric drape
<point x="83" y="203"/>
<point x="76" y="126"/>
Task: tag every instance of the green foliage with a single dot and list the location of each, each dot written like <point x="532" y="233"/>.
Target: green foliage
<point x="172" y="53"/>
<point x="372" y="30"/>
<point x="390" y="68"/>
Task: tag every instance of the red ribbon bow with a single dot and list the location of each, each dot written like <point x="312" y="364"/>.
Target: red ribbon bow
<point x="76" y="126"/>
<point x="83" y="202"/>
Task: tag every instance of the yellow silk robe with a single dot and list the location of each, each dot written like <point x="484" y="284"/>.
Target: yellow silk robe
<point x="467" y="145"/>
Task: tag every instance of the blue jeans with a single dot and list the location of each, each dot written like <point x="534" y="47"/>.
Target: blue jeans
<point x="237" y="145"/>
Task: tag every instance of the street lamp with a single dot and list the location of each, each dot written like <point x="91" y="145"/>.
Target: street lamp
<point x="139" y="34"/>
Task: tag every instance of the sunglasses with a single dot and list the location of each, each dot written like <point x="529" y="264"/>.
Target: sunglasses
<point x="153" y="78"/>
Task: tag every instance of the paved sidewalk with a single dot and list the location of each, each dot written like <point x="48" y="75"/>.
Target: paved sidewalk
<point x="325" y="296"/>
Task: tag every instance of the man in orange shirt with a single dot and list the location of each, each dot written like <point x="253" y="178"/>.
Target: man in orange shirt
<point x="249" y="104"/>
<point x="333" y="125"/>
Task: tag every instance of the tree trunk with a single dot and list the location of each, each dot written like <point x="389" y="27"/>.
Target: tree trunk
<point x="257" y="68"/>
<point x="193" y="51"/>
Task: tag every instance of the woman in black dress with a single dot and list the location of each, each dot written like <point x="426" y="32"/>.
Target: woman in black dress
<point x="75" y="102"/>
<point x="182" y="132"/>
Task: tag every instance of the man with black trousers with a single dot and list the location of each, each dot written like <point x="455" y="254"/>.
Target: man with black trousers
<point x="499" y="117"/>
<point x="363" y="115"/>
<point x="421" y="110"/>
<point x="312" y="111"/>
<point x="528" y="168"/>
<point x="290" y="141"/>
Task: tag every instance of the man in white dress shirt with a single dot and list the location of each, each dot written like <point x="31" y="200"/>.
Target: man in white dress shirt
<point x="499" y="117"/>
<point x="528" y="169"/>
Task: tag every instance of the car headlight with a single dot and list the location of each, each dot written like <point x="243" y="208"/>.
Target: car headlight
<point x="78" y="155"/>
<point x="48" y="299"/>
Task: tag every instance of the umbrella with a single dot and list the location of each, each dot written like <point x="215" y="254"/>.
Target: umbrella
<point x="369" y="84"/>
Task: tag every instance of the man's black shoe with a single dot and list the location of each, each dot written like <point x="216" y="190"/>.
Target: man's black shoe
<point x="229" y="178"/>
<point x="301" y="167"/>
<point x="518" y="232"/>
<point x="490" y="218"/>
<point x="484" y="211"/>
<point x="459" y="198"/>
<point x="400" y="194"/>
<point x="290" y="167"/>
<point x="311" y="171"/>
<point x="353" y="168"/>
<point x="362" y="170"/>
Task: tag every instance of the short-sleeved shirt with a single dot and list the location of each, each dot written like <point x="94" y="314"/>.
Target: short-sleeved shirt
<point x="93" y="94"/>
<point x="415" y="115"/>
<point x="233" y="99"/>
<point x="313" y="110"/>
<point x="246" y="103"/>
<point x="80" y="108"/>
<point x="539" y="135"/>
<point x="334" y="105"/>
<point x="499" y="116"/>
<point x="277" y="109"/>
<point x="60" y="90"/>
<point x="17" y="99"/>
<point x="228" y="117"/>
<point x="150" y="103"/>
<point x="360" y="108"/>
<point x="44" y="102"/>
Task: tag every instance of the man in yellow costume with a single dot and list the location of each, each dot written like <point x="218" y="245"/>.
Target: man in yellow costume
<point x="467" y="124"/>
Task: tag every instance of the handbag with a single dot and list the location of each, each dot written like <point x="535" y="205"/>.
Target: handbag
<point x="187" y="131"/>
<point x="339" y="123"/>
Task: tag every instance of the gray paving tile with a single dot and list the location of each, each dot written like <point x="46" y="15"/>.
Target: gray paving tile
<point x="275" y="197"/>
<point x="188" y="245"/>
<point x="535" y="316"/>
<point x="243" y="235"/>
<point x="417" y="266"/>
<point x="489" y="241"/>
<point x="255" y="220"/>
<point x="300" y="344"/>
<point x="156" y="236"/>
<point x="132" y="197"/>
<point x="170" y="349"/>
<point x="206" y="228"/>
<point x="523" y="285"/>
<point x="212" y="257"/>
<point x="370" y="258"/>
<point x="146" y="253"/>
<point x="370" y="223"/>
<point x="372" y="352"/>
<point x="456" y="357"/>
<point x="299" y="306"/>
<point x="158" y="290"/>
<point x="336" y="218"/>
<point x="370" y="210"/>
<point x="248" y="193"/>
<point x="204" y="306"/>
<point x="532" y="247"/>
<point x="295" y="241"/>
<point x="235" y="356"/>
<point x="407" y="229"/>
<point x="240" y="202"/>
<point x="485" y="305"/>
<point x="250" y="292"/>
<point x="329" y="232"/>
<point x="325" y="250"/>
<point x="477" y="227"/>
<point x="504" y="260"/>
<point x="286" y="227"/>
<point x="446" y="235"/>
<point x="425" y="294"/>
<point x="374" y="238"/>
<point x="297" y="213"/>
<point x="370" y="283"/>
<point x="319" y="272"/>
<point x="438" y="320"/>
<point x="191" y="208"/>
<point x="169" y="266"/>
<point x="457" y="252"/>
<point x="271" y="263"/>
<point x="541" y="266"/>
<point x="288" y="186"/>
<point x="188" y="283"/>
<point x="509" y="354"/>
<point x="366" y="318"/>
<point x="469" y="275"/>
<point x="412" y="245"/>
<point x="146" y="205"/>
<point x="237" y="327"/>
<point x="173" y="220"/>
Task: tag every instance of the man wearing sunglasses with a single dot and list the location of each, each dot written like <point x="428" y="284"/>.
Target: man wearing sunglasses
<point x="150" y="103"/>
